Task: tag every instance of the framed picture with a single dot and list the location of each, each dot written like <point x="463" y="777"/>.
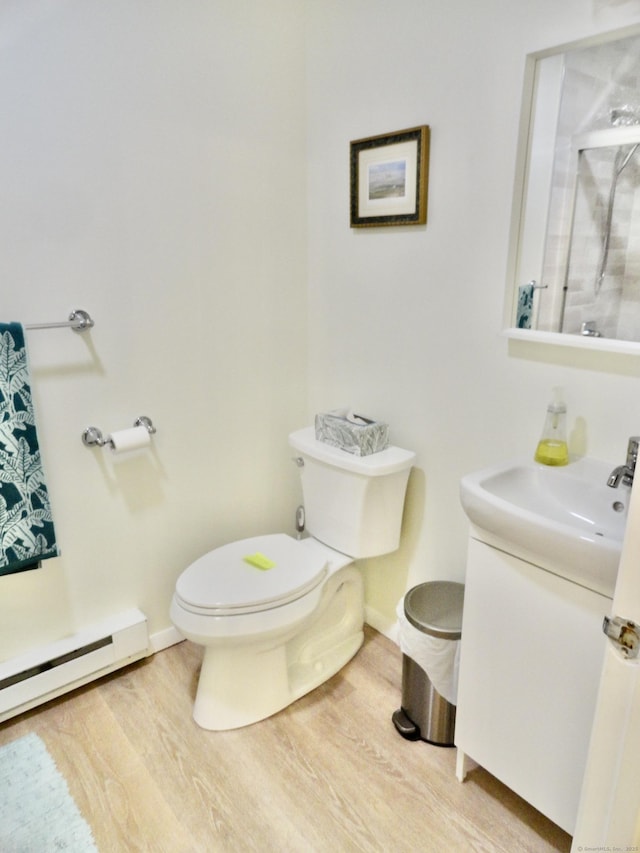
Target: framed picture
<point x="389" y="178"/>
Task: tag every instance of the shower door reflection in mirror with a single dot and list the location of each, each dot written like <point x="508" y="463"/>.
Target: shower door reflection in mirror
<point x="602" y="285"/>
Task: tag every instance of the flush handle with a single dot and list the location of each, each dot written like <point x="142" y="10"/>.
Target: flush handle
<point x="624" y="633"/>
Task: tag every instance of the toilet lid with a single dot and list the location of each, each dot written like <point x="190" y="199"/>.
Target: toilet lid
<point x="250" y="575"/>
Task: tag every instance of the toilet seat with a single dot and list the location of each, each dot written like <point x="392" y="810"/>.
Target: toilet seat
<point x="223" y="583"/>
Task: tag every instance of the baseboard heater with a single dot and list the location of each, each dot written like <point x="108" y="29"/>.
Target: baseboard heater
<point x="50" y="671"/>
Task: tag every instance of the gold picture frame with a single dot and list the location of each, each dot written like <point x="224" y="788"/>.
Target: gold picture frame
<point x="389" y="178"/>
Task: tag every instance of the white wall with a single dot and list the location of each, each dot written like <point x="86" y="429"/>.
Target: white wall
<point x="156" y="161"/>
<point x="405" y="322"/>
<point x="153" y="173"/>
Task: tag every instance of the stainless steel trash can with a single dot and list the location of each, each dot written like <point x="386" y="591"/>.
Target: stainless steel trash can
<point x="433" y="608"/>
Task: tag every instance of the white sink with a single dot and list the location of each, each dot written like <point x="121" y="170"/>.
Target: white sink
<point x="564" y="519"/>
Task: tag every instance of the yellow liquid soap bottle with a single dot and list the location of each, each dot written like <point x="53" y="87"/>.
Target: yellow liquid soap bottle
<point x="552" y="448"/>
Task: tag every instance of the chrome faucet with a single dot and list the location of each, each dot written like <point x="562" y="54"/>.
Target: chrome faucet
<point x="625" y="472"/>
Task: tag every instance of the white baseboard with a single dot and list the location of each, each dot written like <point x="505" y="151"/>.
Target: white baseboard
<point x="165" y="638"/>
<point x="381" y="623"/>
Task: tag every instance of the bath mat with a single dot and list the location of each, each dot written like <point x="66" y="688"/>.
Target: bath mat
<point x="37" y="812"/>
<point x="27" y="535"/>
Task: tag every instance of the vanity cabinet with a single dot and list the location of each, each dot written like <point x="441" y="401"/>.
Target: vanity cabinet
<point x="531" y="655"/>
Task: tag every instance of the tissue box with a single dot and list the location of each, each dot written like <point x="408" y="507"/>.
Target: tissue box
<point x="361" y="439"/>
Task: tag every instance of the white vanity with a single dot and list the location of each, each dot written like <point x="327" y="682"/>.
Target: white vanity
<point x="543" y="553"/>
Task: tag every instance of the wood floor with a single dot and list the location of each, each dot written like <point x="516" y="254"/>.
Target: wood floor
<point x="329" y="773"/>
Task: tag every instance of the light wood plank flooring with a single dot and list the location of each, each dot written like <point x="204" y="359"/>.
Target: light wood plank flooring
<point x="329" y="773"/>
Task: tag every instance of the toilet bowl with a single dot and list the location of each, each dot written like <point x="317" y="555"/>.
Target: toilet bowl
<point x="278" y="616"/>
<point x="265" y="648"/>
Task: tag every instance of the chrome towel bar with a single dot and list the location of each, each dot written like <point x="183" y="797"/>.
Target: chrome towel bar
<point x="79" y="321"/>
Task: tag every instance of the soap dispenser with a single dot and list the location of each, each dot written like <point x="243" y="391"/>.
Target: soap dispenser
<point x="552" y="448"/>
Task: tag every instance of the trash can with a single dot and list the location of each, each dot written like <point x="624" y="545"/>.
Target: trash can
<point x="430" y="629"/>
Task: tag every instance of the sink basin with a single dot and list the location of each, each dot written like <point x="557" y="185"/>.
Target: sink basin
<point x="564" y="519"/>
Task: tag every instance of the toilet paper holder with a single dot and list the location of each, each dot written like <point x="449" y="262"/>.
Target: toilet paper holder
<point x="93" y="437"/>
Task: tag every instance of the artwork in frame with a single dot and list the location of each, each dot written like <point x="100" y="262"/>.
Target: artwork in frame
<point x="389" y="178"/>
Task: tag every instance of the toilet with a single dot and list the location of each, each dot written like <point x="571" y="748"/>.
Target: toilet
<point x="278" y="616"/>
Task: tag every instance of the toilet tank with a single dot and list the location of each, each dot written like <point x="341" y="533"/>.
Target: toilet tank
<point x="353" y="504"/>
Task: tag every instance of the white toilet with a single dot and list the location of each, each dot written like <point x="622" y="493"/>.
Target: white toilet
<point x="278" y="616"/>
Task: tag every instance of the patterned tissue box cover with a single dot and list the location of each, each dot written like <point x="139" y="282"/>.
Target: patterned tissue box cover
<point x="360" y="439"/>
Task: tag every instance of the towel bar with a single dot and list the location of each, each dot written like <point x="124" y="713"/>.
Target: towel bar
<point x="79" y="321"/>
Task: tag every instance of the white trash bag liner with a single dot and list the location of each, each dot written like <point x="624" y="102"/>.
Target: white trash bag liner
<point x="439" y="658"/>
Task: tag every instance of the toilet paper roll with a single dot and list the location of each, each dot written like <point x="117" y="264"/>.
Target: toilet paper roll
<point x="129" y="439"/>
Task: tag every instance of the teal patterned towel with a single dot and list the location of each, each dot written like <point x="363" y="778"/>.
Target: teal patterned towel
<point x="525" y="306"/>
<point x="26" y="525"/>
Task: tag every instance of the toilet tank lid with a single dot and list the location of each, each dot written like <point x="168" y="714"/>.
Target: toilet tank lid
<point x="384" y="462"/>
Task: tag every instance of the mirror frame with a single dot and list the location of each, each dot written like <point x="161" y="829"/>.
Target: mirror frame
<point x="519" y="202"/>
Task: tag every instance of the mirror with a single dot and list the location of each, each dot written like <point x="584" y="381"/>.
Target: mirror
<point x="574" y="266"/>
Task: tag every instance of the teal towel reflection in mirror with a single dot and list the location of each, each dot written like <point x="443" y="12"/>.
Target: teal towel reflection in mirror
<point x="525" y="306"/>
<point x="27" y="535"/>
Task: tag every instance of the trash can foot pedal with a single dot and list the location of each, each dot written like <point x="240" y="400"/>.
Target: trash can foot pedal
<point x="404" y="726"/>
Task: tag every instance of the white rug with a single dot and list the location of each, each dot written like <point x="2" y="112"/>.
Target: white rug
<point x="37" y="812"/>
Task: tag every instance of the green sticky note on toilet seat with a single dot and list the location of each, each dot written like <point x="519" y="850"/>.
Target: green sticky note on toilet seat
<point x="259" y="561"/>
